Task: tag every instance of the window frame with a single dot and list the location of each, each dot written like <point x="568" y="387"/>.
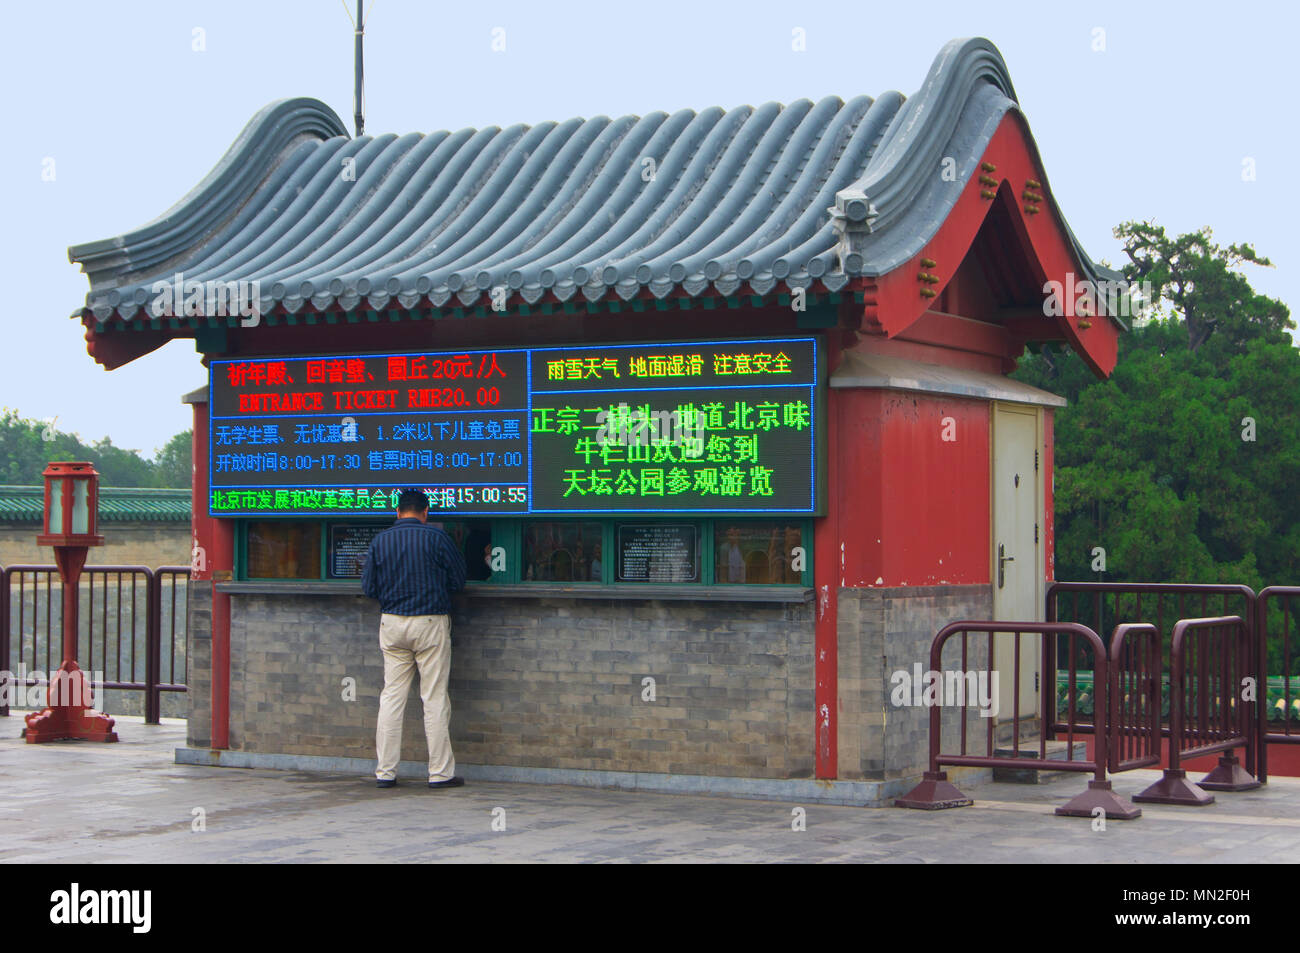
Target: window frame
<point x="511" y="530"/>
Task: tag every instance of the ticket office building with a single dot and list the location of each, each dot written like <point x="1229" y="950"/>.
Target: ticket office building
<point x="723" y="445"/>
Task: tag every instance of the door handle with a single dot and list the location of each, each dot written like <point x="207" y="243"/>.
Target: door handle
<point x="1003" y="559"/>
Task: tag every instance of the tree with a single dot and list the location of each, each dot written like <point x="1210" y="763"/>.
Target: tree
<point x="1197" y="281"/>
<point x="119" y="467"/>
<point x="173" y="464"/>
<point x="26" y="446"/>
<point x="1182" y="465"/>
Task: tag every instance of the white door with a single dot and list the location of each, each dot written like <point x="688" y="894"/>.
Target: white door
<point x="1017" y="554"/>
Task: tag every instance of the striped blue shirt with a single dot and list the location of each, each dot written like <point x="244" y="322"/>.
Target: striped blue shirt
<point x="412" y="568"/>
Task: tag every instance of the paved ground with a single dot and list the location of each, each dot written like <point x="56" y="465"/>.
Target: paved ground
<point x="130" y="802"/>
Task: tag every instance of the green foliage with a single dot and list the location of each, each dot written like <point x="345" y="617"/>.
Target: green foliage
<point x="1196" y="281"/>
<point x="26" y="446"/>
<point x="173" y="464"/>
<point x="1152" y="464"/>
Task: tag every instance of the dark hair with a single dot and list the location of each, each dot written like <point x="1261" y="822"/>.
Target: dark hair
<point x="412" y="501"/>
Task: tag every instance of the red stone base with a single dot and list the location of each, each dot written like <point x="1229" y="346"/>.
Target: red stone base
<point x="70" y="714"/>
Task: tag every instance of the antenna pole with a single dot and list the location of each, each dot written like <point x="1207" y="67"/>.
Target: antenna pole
<point x="360" y="34"/>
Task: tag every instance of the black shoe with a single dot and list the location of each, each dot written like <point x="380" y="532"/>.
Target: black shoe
<point x="385" y="783"/>
<point x="449" y="783"/>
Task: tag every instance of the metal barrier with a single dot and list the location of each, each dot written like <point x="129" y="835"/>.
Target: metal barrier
<point x="1211" y="710"/>
<point x="120" y="627"/>
<point x="1101" y="605"/>
<point x="1211" y="660"/>
<point x="1287" y="708"/>
<point x="1134" y="736"/>
<point x="936" y="792"/>
<point x="1197" y="595"/>
<point x="170" y="605"/>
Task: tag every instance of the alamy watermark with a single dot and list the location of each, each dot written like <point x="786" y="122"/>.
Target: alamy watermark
<point x="188" y="298"/>
<point x="624" y="426"/>
<point x="949" y="689"/>
<point x="33" y="690"/>
<point x="78" y="905"/>
<point x="1120" y="298"/>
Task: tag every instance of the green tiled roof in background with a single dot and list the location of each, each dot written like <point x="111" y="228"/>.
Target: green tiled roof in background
<point x="26" y="504"/>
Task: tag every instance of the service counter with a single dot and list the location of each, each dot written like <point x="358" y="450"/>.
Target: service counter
<point x="717" y="681"/>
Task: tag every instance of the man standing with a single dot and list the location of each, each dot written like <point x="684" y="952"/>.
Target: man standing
<point x="412" y="568"/>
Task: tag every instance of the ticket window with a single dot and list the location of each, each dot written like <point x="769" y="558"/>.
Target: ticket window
<point x="633" y="551"/>
<point x="767" y="553"/>
<point x="336" y="550"/>
<point x="563" y="551"/>
<point x="279" y="549"/>
<point x="475" y="540"/>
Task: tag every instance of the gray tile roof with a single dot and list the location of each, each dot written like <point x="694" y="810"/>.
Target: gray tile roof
<point x="750" y="200"/>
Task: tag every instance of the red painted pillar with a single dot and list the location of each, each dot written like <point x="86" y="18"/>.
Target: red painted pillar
<point x="827" y="573"/>
<point x="222" y="561"/>
<point x="200" y="522"/>
<point x="212" y="560"/>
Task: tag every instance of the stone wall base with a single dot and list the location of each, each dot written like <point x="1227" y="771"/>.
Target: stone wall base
<point x="791" y="790"/>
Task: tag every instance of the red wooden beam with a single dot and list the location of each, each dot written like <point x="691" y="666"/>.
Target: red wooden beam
<point x="958" y="333"/>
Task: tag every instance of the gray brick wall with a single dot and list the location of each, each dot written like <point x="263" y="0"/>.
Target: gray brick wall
<point x="557" y="682"/>
<point x="134" y="543"/>
<point x="879" y="632"/>
<point x="199" y="696"/>
<point x="536" y="682"/>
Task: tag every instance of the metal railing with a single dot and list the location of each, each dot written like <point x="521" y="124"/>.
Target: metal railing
<point x="1101" y="605"/>
<point x="936" y="791"/>
<point x="126" y="616"/>
<point x="1134" y="738"/>
<point x="1159" y="603"/>
<point x="170" y="608"/>
<point x="1211" y="661"/>
<point x="1274" y="635"/>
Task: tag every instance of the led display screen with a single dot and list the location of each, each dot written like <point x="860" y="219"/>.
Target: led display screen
<point x="690" y="427"/>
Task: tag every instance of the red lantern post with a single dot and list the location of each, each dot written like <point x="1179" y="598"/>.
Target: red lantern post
<point x="71" y="527"/>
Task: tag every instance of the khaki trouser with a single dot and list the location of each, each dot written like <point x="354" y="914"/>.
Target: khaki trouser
<point x="408" y="642"/>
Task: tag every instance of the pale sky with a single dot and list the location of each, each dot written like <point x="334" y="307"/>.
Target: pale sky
<point x="1159" y="122"/>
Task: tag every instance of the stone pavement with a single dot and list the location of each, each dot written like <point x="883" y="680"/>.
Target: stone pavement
<point x="130" y="802"/>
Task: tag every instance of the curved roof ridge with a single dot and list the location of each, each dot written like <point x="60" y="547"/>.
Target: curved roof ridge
<point x="911" y="149"/>
<point x="272" y="131"/>
<point x="895" y="207"/>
